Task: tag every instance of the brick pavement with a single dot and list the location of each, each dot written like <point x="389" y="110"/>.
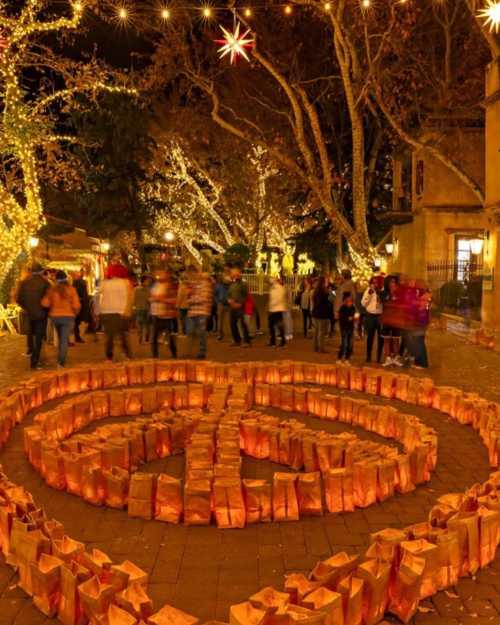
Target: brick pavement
<point x="204" y="570"/>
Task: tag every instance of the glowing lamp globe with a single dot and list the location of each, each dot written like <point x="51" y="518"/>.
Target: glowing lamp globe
<point x="169" y="236"/>
<point x="476" y="246"/>
<point x="34" y="241"/>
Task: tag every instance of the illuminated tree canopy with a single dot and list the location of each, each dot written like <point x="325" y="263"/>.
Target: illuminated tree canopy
<point x="307" y="126"/>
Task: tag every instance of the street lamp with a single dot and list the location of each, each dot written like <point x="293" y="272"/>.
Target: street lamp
<point x="34" y="241"/>
<point x="389" y="248"/>
<point x="476" y="246"/>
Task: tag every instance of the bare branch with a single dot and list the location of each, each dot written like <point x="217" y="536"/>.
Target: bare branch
<point x="431" y="149"/>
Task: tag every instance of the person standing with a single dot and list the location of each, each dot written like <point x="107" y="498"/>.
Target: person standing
<point x="331" y="307"/>
<point x="418" y="322"/>
<point x="236" y="296"/>
<point x="277" y="306"/>
<point x="392" y="313"/>
<point x="346" y="286"/>
<point x="141" y="309"/>
<point x="200" y="298"/>
<point x="163" y="300"/>
<point x="320" y="314"/>
<point x="29" y="297"/>
<point x="64" y="305"/>
<point x="372" y="303"/>
<point x="83" y="315"/>
<point x="182" y="303"/>
<point x="304" y="301"/>
<point x="114" y="306"/>
<point x="248" y="310"/>
<point x="220" y="295"/>
<point x="347" y="314"/>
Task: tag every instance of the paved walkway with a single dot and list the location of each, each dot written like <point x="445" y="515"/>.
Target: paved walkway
<point x="204" y="570"/>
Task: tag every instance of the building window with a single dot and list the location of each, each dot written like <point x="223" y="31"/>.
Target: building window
<point x="466" y="263"/>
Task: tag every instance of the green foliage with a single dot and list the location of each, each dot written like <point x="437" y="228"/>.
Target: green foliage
<point x="451" y="293"/>
<point x="7" y="286"/>
<point x="118" y="129"/>
<point x="316" y="242"/>
<point x="238" y="254"/>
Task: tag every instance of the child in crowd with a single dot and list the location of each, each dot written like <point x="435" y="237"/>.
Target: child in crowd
<point x="346" y="315"/>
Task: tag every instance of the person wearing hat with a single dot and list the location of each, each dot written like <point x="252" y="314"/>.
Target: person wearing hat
<point x="64" y="304"/>
<point x="114" y="307"/>
<point x="29" y="297"/>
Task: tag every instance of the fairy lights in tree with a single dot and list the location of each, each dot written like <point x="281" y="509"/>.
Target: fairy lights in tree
<point x="491" y="15"/>
<point x="26" y="125"/>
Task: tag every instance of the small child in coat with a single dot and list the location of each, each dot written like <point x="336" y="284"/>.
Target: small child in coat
<point x="347" y="313"/>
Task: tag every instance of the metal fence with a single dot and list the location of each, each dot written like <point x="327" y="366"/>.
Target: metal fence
<point x="259" y="283"/>
<point x="460" y="271"/>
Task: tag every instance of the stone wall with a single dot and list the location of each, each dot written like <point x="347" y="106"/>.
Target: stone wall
<point x="491" y="294"/>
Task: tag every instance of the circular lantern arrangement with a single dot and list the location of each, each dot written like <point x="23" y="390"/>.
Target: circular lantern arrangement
<point x="213" y="413"/>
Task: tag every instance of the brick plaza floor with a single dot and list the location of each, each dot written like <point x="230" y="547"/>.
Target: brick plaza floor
<point x="203" y="570"/>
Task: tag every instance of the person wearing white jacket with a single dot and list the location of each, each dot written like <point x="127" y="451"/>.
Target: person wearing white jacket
<point x="114" y="307"/>
<point x="372" y="303"/>
<point x="277" y="306"/>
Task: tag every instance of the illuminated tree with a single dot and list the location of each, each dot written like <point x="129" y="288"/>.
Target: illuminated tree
<point x="189" y="201"/>
<point x="321" y="94"/>
<point x="30" y="114"/>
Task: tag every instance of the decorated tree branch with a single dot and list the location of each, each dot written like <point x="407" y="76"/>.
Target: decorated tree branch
<point x="30" y="117"/>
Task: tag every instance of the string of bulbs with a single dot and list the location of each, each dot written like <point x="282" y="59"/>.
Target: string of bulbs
<point x="490" y="13"/>
<point x="124" y="13"/>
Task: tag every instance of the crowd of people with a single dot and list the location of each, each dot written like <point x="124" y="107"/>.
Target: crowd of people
<point x="390" y="311"/>
<point x="393" y="310"/>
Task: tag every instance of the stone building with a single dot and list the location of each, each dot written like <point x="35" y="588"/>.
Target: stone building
<point x="439" y="222"/>
<point x="491" y="286"/>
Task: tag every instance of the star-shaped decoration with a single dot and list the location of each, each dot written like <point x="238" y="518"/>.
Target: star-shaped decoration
<point x="491" y="15"/>
<point x="235" y="44"/>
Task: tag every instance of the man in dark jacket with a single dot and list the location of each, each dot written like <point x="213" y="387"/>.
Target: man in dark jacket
<point x="29" y="297"/>
<point x="83" y="295"/>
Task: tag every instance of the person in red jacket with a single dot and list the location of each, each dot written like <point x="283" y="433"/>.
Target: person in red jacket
<point x="392" y="322"/>
<point x="248" y="309"/>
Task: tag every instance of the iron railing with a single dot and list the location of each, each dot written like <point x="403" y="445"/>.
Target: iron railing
<point x="461" y="271"/>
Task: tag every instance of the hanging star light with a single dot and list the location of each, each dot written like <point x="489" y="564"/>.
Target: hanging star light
<point x="235" y="44"/>
<point x="491" y="15"/>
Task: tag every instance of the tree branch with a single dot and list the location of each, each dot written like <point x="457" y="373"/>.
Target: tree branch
<point x="431" y="149"/>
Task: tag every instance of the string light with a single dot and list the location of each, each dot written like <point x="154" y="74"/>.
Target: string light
<point x="365" y="4"/>
<point x="288" y="10"/>
<point x="328" y="6"/>
<point x="248" y="13"/>
<point x="491" y="15"/>
<point x="207" y="12"/>
<point x="165" y="13"/>
<point x="122" y="13"/>
<point x="24" y="130"/>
